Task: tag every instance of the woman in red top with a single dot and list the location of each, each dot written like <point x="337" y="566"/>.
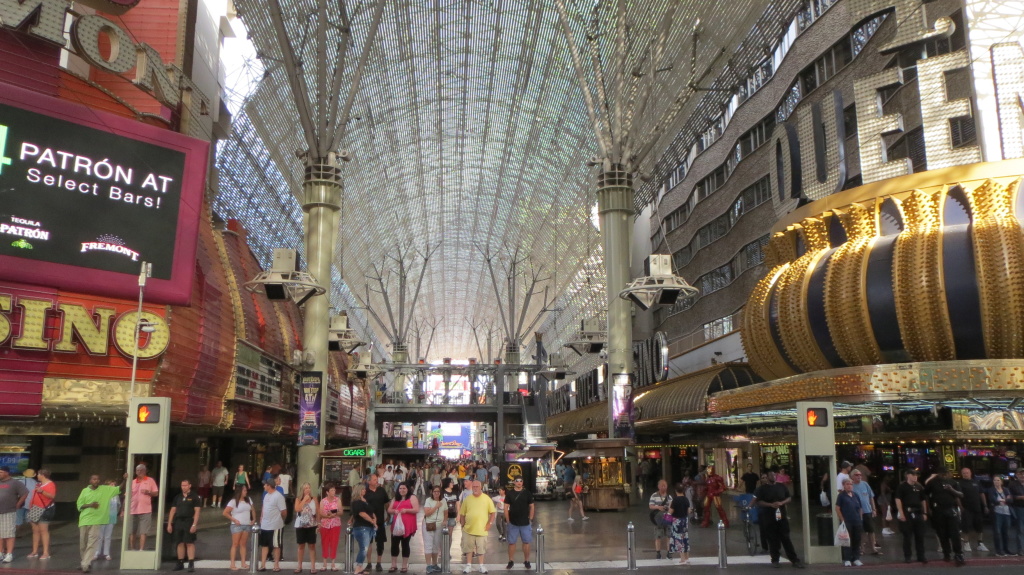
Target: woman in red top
<point x="43" y="496"/>
<point x="404" y="509"/>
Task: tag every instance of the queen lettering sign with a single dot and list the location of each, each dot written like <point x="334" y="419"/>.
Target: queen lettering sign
<point x="86" y="196"/>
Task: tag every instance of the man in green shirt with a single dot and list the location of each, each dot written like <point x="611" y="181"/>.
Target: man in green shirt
<point x="94" y="507"/>
<point x="476" y="514"/>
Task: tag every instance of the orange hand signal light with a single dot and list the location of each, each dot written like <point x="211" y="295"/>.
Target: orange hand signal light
<point x="148" y="413"/>
<point x="817" y="417"/>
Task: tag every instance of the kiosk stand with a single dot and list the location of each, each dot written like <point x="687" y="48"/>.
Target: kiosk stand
<point x="149" y="426"/>
<point x="816" y="439"/>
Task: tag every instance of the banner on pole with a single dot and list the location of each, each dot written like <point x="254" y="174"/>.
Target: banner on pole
<point x="310" y="402"/>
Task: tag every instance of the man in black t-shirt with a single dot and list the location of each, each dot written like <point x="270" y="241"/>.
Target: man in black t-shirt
<point x="912" y="512"/>
<point x="182" y="524"/>
<point x="377" y="498"/>
<point x="771" y="499"/>
<point x="750" y="479"/>
<point x="973" y="510"/>
<point x="519" y="511"/>
<point x="943" y="502"/>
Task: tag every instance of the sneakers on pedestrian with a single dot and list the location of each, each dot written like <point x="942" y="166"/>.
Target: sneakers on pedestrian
<point x="967" y="546"/>
<point x="191" y="566"/>
<point x="467" y="569"/>
<point x="981" y="547"/>
<point x="847" y="564"/>
<point x="888" y="531"/>
<point x="483" y="569"/>
<point x="571" y="519"/>
<point x="959" y="560"/>
<point x="178" y="566"/>
<point x="380" y="568"/>
<point x="858" y="563"/>
<point x="8" y="557"/>
<point x="510" y="565"/>
<point x="585" y="517"/>
<point x="657" y="554"/>
<point x="527" y="565"/>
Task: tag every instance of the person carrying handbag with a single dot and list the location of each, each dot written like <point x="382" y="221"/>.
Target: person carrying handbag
<point x="41" y="513"/>
<point x="403" y="509"/>
<point x="435" y="517"/>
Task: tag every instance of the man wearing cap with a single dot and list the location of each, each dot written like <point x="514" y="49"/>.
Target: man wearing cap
<point x="12" y="497"/>
<point x="519" y="511"/>
<point x="93" y="513"/>
<point x="144" y="489"/>
<point x="912" y="513"/>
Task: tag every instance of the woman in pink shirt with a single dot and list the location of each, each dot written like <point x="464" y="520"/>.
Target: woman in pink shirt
<point x="330" y="526"/>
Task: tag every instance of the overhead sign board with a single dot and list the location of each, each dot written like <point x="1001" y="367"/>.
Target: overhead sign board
<point x="86" y="196"/>
<point x="360" y="452"/>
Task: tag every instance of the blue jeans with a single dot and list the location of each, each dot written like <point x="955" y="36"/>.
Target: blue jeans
<point x="363" y="536"/>
<point x="1001" y="533"/>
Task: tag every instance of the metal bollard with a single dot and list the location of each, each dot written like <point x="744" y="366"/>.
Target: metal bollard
<point x="540" y="549"/>
<point x="446" y="550"/>
<point x="350" y="565"/>
<point x="630" y="547"/>
<point x="723" y="555"/>
<point x="254" y="548"/>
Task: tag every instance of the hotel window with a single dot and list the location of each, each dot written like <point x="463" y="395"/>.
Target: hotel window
<point x="962" y="132"/>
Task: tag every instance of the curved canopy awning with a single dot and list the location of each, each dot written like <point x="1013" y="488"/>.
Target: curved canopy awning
<point x="681" y="397"/>
<point x="687" y="395"/>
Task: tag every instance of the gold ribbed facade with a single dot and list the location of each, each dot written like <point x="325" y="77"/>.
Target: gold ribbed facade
<point x="918" y="268"/>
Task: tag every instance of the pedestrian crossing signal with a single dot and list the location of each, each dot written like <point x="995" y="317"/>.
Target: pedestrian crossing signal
<point x="148" y="413"/>
<point x="817" y="417"/>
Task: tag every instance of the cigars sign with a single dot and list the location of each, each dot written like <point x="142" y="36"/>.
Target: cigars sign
<point x="58" y="325"/>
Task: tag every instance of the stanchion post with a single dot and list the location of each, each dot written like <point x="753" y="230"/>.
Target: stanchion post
<point x="630" y="547"/>
<point x="254" y="548"/>
<point x="350" y="565"/>
<point x="723" y="556"/>
<point x="540" y="549"/>
<point x="446" y="550"/>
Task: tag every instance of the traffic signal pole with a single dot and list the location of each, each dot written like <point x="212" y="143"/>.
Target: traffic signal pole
<point x="149" y="429"/>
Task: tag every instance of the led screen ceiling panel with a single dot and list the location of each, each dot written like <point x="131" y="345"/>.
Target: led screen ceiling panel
<point x="471" y="132"/>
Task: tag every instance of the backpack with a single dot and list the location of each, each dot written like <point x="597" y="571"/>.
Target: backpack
<point x="452" y="509"/>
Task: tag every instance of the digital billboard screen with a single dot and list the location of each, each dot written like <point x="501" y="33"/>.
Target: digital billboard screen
<point x="86" y="197"/>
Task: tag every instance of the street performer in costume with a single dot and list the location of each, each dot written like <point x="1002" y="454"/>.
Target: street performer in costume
<point x="715" y="488"/>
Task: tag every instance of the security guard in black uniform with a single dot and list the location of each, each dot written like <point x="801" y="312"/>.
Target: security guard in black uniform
<point x="943" y="499"/>
<point x="912" y="512"/>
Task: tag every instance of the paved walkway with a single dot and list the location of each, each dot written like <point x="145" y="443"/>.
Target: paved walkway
<point x="596" y="546"/>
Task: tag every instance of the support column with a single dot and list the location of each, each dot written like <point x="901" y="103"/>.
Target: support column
<point x="615" y="205"/>
<point x="321" y="203"/>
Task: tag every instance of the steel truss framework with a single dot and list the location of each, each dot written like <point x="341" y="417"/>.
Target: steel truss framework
<point x="470" y="131"/>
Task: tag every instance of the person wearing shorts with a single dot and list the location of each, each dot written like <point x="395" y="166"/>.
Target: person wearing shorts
<point x="144" y="489"/>
<point x="271" y="524"/>
<point x="12" y="496"/>
<point x="182" y="524"/>
<point x="219" y="478"/>
<point x="476" y="514"/>
<point x="519" y="509"/>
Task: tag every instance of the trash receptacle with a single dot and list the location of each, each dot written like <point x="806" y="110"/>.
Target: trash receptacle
<point x="825" y="535"/>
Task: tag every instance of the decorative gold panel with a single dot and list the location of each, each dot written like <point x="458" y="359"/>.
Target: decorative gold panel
<point x="917" y="281"/>
<point x="915" y="305"/>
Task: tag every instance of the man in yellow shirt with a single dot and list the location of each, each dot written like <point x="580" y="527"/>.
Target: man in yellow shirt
<point x="476" y="515"/>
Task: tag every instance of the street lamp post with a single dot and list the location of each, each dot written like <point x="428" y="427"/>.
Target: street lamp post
<point x="145" y="272"/>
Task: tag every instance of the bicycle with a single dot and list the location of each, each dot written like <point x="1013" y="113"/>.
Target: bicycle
<point x="748" y="515"/>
